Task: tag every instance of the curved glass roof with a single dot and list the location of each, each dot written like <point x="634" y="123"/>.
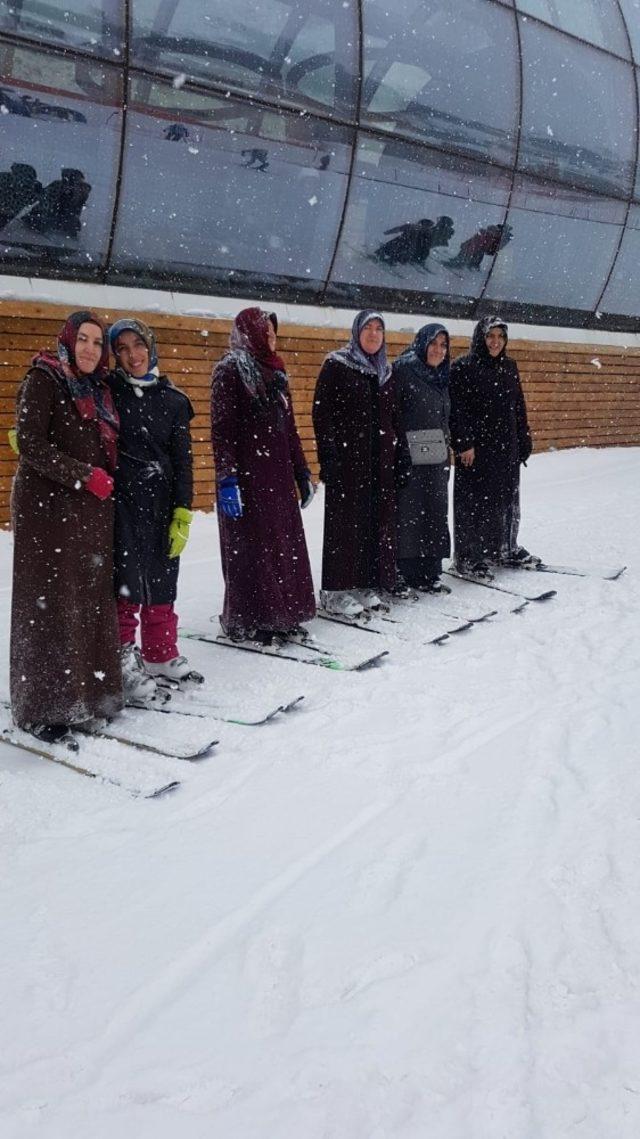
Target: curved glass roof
<point x="417" y="156"/>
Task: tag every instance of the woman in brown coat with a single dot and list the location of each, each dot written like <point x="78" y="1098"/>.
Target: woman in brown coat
<point x="65" y="659"/>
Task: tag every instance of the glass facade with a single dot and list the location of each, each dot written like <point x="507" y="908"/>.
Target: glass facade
<point x="421" y="156"/>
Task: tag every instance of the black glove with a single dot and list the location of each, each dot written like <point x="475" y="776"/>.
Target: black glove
<point x="306" y="488"/>
<point x="525" y="453"/>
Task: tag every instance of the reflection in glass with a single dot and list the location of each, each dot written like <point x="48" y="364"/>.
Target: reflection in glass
<point x="622" y="294"/>
<point x="579" y="113"/>
<point x="97" y="26"/>
<point x="61" y="132"/>
<point x="302" y="50"/>
<point x="597" y="21"/>
<point x="562" y="247"/>
<point x="415" y="217"/>
<point x="221" y="191"/>
<point x="446" y="73"/>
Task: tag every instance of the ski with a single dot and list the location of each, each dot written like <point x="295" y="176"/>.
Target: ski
<point x="10" y="736"/>
<point x="189" y="754"/>
<point x="319" y="660"/>
<point x="545" y="596"/>
<point x="203" y="712"/>
<point x="611" y="573"/>
<point x="437" y="639"/>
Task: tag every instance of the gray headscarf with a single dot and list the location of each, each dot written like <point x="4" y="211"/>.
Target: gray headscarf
<point x="353" y="355"/>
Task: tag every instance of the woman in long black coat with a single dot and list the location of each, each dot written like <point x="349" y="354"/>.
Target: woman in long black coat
<point x="491" y="438"/>
<point x="421" y="378"/>
<point x="354" y="422"/>
<point x="153" y="494"/>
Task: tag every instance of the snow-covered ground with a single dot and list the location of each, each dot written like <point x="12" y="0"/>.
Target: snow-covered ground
<point x="408" y="909"/>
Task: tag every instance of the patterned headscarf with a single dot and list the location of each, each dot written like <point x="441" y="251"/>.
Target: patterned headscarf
<point x="90" y="393"/>
<point x="249" y="334"/>
<point x="354" y="356"/>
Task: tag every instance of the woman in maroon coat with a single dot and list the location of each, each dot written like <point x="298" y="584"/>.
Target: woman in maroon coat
<point x="65" y="657"/>
<point x="354" y="421"/>
<point x="259" y="460"/>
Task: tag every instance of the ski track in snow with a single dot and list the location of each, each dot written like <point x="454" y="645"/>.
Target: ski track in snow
<point x="406" y="909"/>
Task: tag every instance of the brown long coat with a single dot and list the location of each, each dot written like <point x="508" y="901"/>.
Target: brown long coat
<point x="65" y="663"/>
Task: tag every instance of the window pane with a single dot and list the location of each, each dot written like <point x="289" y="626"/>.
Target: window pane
<point x="443" y="72"/>
<point x="95" y="27"/>
<point x="302" y="50"/>
<point x="228" y="193"/>
<point x="622" y="294"/>
<point x="597" y="21"/>
<point x="420" y="222"/>
<point x="60" y="127"/>
<point x="631" y="13"/>
<point x="579" y="113"/>
<point x="562" y="247"/>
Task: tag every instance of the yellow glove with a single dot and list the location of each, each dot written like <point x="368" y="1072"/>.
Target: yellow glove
<point x="179" y="530"/>
<point x="13" y="440"/>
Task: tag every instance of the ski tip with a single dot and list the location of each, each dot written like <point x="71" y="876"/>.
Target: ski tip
<point x="619" y="573"/>
<point x="292" y="704"/>
<point x="546" y="596"/>
<point x="158" y="792"/>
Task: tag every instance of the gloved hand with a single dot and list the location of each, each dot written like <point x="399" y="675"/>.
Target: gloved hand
<point x="99" y="483"/>
<point x="229" y="498"/>
<point x="12" y="436"/>
<point x="179" y="530"/>
<point x="306" y="488"/>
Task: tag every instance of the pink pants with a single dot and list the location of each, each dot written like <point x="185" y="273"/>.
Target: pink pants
<point x="158" y="629"/>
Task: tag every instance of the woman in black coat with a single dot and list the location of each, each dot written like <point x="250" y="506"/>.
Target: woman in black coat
<point x="153" y="497"/>
<point x="354" y="423"/>
<point x="421" y="378"/>
<point x="491" y="438"/>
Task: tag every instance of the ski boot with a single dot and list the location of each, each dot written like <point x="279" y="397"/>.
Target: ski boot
<point x="520" y="559"/>
<point x="138" y="687"/>
<point x="175" y="671"/>
<point x="54" y="734"/>
<point x="341" y="603"/>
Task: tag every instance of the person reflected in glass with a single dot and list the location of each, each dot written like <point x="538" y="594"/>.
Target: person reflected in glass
<point x="153" y="500"/>
<point x="415" y="241"/>
<point x="65" y="660"/>
<point x="19" y="188"/>
<point x="421" y="377"/>
<point x="491" y="438"/>
<point x="259" y="464"/>
<point x="354" y="422"/>
<point x="59" y="208"/>
<point x="257" y="158"/>
<point x="486" y="243"/>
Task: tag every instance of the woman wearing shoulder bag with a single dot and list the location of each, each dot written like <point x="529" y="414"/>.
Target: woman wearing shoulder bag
<point x="421" y="377"/>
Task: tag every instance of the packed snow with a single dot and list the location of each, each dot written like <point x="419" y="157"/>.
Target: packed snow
<point x="407" y="908"/>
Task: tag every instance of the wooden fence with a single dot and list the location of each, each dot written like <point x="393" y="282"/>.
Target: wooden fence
<point x="577" y="395"/>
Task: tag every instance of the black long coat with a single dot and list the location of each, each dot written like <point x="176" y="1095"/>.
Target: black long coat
<point x="65" y="652"/>
<point x="354" y="422"/>
<point x="153" y="476"/>
<point x="423" y="504"/>
<point x="488" y="412"/>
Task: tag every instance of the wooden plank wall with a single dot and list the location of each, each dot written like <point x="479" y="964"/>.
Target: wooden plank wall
<point x="577" y="395"/>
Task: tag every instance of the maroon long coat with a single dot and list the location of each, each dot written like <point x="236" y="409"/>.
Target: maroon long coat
<point x="65" y="658"/>
<point x="354" y="422"/>
<point x="265" y="564"/>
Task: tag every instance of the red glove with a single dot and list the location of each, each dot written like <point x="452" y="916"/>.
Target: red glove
<point x="99" y="483"/>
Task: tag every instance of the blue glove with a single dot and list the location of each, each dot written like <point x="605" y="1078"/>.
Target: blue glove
<point x="229" y="499"/>
<point x="306" y="488"/>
